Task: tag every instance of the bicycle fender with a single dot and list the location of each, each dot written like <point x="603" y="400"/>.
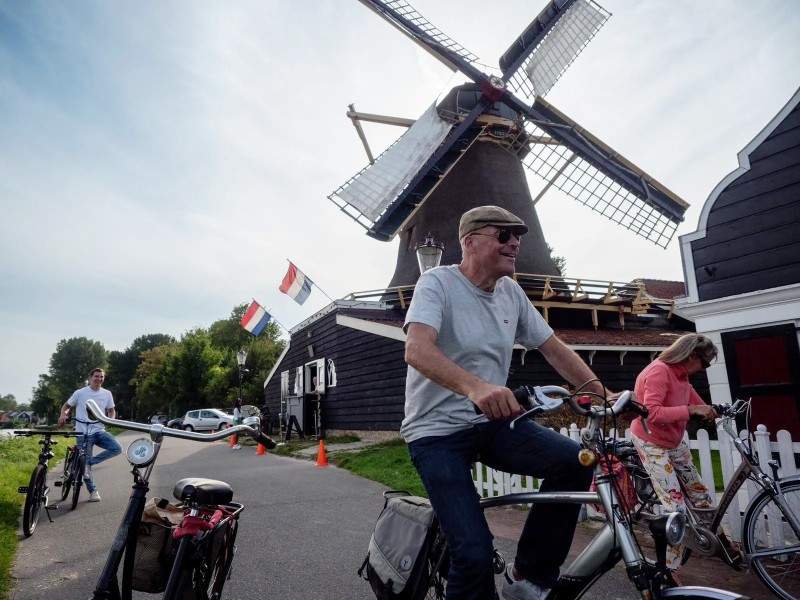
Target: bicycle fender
<point x="696" y="591"/>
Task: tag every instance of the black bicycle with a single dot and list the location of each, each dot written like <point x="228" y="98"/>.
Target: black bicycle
<point x="192" y="560"/>
<point x="36" y="492"/>
<point x="75" y="467"/>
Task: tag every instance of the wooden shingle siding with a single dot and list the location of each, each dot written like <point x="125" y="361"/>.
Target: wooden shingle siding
<point x="752" y="237"/>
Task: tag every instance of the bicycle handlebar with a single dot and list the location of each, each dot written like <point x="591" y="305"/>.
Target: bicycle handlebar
<point x="161" y="430"/>
<point x="540" y="399"/>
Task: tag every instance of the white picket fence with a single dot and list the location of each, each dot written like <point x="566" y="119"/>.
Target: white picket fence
<point x="490" y="483"/>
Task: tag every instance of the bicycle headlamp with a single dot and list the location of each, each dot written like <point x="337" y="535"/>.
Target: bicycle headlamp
<point x="675" y="528"/>
<point x="141" y="452"/>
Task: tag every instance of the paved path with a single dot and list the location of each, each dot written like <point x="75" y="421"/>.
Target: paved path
<point x="303" y="533"/>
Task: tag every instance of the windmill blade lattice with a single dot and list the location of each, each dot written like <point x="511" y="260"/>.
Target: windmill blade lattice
<point x="548" y="59"/>
<point x="572" y="174"/>
<point x="406" y="18"/>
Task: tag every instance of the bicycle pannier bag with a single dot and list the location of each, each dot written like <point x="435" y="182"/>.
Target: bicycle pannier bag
<point x="398" y="549"/>
<point x="154" y="547"/>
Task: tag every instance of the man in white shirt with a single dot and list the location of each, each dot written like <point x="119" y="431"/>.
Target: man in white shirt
<point x="91" y="429"/>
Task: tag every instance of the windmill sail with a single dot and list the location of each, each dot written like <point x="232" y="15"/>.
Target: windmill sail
<point x="549" y="45"/>
<point x="366" y="196"/>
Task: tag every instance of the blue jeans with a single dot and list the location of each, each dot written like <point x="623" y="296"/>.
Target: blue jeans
<point x="110" y="448"/>
<point x="444" y="465"/>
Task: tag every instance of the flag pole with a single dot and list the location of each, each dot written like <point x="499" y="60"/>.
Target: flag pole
<point x="272" y="318"/>
<point x="311" y="281"/>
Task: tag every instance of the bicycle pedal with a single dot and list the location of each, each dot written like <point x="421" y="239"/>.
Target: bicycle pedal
<point x="57" y="483"/>
<point x="23" y="489"/>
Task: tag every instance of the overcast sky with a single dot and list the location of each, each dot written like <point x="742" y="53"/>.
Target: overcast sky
<point x="159" y="161"/>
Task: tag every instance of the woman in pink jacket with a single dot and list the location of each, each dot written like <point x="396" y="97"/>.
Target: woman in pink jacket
<point x="664" y="388"/>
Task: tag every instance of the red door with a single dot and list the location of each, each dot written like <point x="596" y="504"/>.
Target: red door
<point x="764" y="364"/>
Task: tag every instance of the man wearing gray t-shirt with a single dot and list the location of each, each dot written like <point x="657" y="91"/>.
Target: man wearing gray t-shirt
<point x="461" y="329"/>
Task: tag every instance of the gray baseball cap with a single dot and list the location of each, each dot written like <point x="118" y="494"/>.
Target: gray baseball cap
<point x="482" y="216"/>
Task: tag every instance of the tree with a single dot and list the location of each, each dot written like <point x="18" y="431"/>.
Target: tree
<point x="71" y="362"/>
<point x="561" y="262"/>
<point x="8" y="402"/>
<point x="47" y="400"/>
<point x="228" y="333"/>
<point x="122" y="367"/>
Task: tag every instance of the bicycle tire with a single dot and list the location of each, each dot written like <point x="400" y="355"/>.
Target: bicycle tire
<point x="221" y="569"/>
<point x="34" y="499"/>
<point x="69" y="474"/>
<point x="78" y="483"/>
<point x="781" y="573"/>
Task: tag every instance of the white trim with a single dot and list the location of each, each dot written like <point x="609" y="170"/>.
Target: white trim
<point x="597" y="347"/>
<point x="381" y="329"/>
<point x="744" y="166"/>
<point x="744" y="310"/>
<point x="278" y="362"/>
<point x="361" y="304"/>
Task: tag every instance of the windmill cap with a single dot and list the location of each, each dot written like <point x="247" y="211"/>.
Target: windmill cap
<point x="483" y="216"/>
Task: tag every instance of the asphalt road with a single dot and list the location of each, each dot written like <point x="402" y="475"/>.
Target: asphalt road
<point x="302" y="535"/>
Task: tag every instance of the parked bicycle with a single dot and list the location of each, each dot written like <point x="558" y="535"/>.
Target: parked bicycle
<point x="37" y="491"/>
<point x="191" y="561"/>
<point x="615" y="541"/>
<point x="770" y="530"/>
<point x="75" y="467"/>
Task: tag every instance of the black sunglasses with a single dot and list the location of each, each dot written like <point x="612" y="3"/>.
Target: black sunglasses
<point x="503" y="235"/>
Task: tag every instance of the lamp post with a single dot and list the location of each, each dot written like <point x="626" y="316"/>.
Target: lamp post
<point x="429" y="253"/>
<point x="241" y="357"/>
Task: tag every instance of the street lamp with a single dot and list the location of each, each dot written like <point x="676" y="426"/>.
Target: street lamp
<point x="241" y="357"/>
<point x="429" y="253"/>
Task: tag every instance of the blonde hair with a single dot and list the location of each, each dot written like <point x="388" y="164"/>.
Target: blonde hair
<point x="686" y="345"/>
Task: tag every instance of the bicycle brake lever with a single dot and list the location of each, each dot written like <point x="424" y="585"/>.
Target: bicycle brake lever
<point x="524" y="415"/>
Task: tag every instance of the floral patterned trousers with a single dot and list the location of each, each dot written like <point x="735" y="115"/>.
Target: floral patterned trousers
<point x="674" y="477"/>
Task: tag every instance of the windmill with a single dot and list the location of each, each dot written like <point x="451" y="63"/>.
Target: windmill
<point x="472" y="148"/>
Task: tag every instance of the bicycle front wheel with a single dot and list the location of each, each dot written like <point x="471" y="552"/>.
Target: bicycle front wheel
<point x="80" y="466"/>
<point x="773" y="546"/>
<point x="69" y="474"/>
<point x="34" y="500"/>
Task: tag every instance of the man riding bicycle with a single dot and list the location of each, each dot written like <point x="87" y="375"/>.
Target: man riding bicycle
<point x="94" y="431"/>
<point x="461" y="329"/>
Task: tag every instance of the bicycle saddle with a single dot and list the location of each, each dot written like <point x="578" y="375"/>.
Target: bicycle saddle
<point x="203" y="491"/>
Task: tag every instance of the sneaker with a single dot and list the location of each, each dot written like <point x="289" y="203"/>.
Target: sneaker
<point x="522" y="589"/>
<point x="237" y="447"/>
<point x="94" y="496"/>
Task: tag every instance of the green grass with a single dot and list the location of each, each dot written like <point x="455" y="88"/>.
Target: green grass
<point x="716" y="465"/>
<point x="387" y="463"/>
<point x="18" y="457"/>
<point x="292" y="446"/>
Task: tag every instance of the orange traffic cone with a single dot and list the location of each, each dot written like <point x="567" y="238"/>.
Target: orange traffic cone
<point x="233" y="440"/>
<point x="261" y="450"/>
<point x="322" y="457"/>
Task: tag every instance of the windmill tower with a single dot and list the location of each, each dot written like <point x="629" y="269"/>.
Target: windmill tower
<point x="471" y="148"/>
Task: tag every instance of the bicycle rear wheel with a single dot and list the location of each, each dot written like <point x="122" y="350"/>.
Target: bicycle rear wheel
<point x="80" y="465"/>
<point x="766" y="530"/>
<point x="34" y="500"/>
<point x="69" y="474"/>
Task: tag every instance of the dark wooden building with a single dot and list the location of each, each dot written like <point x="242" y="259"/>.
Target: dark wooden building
<point x="349" y="356"/>
<point x="742" y="269"/>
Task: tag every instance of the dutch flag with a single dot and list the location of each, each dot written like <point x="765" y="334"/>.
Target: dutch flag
<point x="295" y="284"/>
<point x="255" y="319"/>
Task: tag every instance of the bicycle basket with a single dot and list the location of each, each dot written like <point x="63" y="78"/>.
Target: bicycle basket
<point x="153" y="560"/>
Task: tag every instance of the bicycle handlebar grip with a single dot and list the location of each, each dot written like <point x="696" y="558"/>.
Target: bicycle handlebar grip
<point x="639" y="409"/>
<point x="523" y="396"/>
<point x="266" y="441"/>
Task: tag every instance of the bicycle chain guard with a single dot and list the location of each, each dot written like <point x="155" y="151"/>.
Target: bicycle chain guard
<point x="702" y="540"/>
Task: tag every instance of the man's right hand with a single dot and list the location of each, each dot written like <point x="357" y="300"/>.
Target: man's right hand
<point x="495" y="401"/>
<point x="61" y="420"/>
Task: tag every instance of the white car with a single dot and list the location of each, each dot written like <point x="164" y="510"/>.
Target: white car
<point x="206" y="419"/>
